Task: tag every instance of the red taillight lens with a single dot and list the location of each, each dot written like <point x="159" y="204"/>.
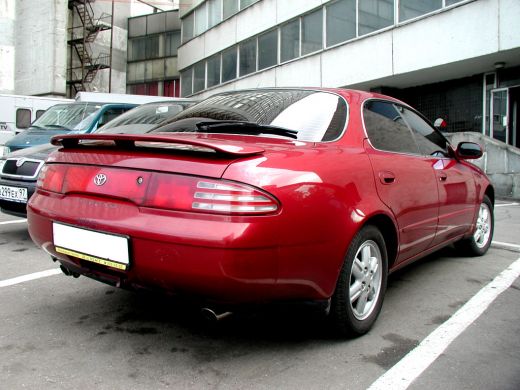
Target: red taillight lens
<point x="51" y="177"/>
<point x="210" y="196"/>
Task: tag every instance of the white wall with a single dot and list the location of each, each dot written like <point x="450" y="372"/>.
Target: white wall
<point x="453" y="43"/>
<point x="7" y="45"/>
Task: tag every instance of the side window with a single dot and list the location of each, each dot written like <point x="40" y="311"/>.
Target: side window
<point x="110" y="114"/>
<point x="23" y="118"/>
<point x="386" y="128"/>
<point x="39" y="113"/>
<point x="431" y="143"/>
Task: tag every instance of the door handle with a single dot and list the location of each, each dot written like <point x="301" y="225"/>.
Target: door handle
<point x="386" y="177"/>
<point x="442" y="176"/>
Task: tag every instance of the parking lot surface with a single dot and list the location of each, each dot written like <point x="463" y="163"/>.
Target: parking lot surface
<point x="58" y="332"/>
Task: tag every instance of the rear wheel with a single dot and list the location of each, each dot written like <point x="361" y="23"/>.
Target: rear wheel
<point x="361" y="286"/>
<point x="480" y="241"/>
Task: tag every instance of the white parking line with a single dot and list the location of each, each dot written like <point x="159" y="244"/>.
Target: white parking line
<point x="400" y="376"/>
<point x="26" y="278"/>
<point x="10" y="222"/>
<point x="507" y="204"/>
<point x="505" y="245"/>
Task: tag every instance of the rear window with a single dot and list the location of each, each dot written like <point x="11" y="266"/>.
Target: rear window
<point x="315" y="115"/>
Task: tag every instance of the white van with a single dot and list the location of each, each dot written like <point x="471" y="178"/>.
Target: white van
<point x="102" y="97"/>
<point x="17" y="112"/>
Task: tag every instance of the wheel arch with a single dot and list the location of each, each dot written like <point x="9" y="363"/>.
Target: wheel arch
<point x="389" y="231"/>
<point x="490" y="192"/>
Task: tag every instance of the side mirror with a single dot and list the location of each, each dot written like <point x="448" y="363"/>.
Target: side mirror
<point x="440" y="124"/>
<point x="468" y="151"/>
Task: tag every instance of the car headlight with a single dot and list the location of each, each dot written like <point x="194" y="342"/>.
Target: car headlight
<point x="5" y="151"/>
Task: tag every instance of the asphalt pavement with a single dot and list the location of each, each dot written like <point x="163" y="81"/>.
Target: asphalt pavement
<point x="57" y="332"/>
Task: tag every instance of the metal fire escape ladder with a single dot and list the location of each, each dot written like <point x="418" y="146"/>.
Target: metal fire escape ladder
<point x="84" y="65"/>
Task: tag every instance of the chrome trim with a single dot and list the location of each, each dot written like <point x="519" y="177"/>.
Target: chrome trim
<point x="40" y="164"/>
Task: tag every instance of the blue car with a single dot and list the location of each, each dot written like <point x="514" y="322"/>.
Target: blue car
<point x="69" y="118"/>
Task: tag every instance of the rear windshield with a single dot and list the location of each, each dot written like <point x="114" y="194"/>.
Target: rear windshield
<point x="76" y="116"/>
<point x="143" y="118"/>
<point x="315" y="115"/>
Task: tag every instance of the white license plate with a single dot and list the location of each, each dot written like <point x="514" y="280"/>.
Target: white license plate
<point x="101" y="248"/>
<point x="15" y="194"/>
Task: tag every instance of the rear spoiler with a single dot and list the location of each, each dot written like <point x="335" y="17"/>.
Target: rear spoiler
<point x="158" y="141"/>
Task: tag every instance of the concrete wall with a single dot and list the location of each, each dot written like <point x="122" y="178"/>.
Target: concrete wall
<point x="452" y="43"/>
<point x="500" y="161"/>
<point x="41" y="40"/>
<point x="7" y="45"/>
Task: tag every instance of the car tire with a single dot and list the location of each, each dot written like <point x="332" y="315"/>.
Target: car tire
<point x="480" y="240"/>
<point x="361" y="285"/>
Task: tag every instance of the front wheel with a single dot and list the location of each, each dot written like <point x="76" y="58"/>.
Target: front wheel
<point x="480" y="241"/>
<point x="361" y="286"/>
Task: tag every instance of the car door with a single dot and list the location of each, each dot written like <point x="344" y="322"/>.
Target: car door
<point x="404" y="178"/>
<point x="457" y="191"/>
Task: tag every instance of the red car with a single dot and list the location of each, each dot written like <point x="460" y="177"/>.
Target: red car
<point x="265" y="195"/>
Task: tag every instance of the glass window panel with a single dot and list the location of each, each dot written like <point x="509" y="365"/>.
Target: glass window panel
<point x="201" y="22"/>
<point x="450" y="2"/>
<point x="23" y="118"/>
<point x="156" y="23"/>
<point x="341" y="21"/>
<point x="213" y="71"/>
<point x="375" y="15"/>
<point x="152" y="47"/>
<point x="170" y="67"/>
<point x="215" y="12"/>
<point x="248" y="57"/>
<point x="39" y="113"/>
<point x="172" y="43"/>
<point x="199" y="77"/>
<point x="187" y="27"/>
<point x="430" y="141"/>
<point x="245" y="3"/>
<point x="230" y="7"/>
<point x="229" y="64"/>
<point x="137" y="49"/>
<point x="268" y="49"/>
<point x="386" y="129"/>
<point x="136" y="27"/>
<point x="312" y="32"/>
<point x="186" y="82"/>
<point x="290" y="41"/>
<point x="158" y="69"/>
<point x="409" y="9"/>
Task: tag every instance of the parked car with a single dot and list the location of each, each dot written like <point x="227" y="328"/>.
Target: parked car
<point x="263" y="196"/>
<point x="19" y="170"/>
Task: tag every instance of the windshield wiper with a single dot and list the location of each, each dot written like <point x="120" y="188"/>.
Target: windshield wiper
<point x="244" y="127"/>
<point x="58" y="127"/>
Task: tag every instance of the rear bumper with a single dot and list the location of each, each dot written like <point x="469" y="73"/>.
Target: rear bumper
<point x="227" y="259"/>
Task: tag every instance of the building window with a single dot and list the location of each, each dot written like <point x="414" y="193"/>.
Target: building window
<point x="199" y="77"/>
<point x="151" y="89"/>
<point x="268" y="49"/>
<point x="229" y="64"/>
<point x="137" y="49"/>
<point x="188" y="23"/>
<point x="248" y="57"/>
<point x="246" y="3"/>
<point x="152" y="47"/>
<point x="375" y="15"/>
<point x="312" y="32"/>
<point x="187" y="82"/>
<point x="171" y="88"/>
<point x="341" y="21"/>
<point x="172" y="43"/>
<point x="213" y="68"/>
<point x="214" y="12"/>
<point x="23" y="118"/>
<point x="290" y="41"/>
<point x="229" y="7"/>
<point x="409" y="9"/>
<point x="201" y="20"/>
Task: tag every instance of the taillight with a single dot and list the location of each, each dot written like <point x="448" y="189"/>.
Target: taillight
<point x="51" y="177"/>
<point x="211" y="196"/>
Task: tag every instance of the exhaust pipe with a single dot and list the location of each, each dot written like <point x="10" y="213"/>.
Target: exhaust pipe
<point x="211" y="317"/>
<point x="68" y="272"/>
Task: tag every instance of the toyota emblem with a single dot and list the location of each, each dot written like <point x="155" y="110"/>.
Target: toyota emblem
<point x="100" y="179"/>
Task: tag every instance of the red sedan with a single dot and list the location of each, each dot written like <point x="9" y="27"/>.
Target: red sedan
<point x="265" y="195"/>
